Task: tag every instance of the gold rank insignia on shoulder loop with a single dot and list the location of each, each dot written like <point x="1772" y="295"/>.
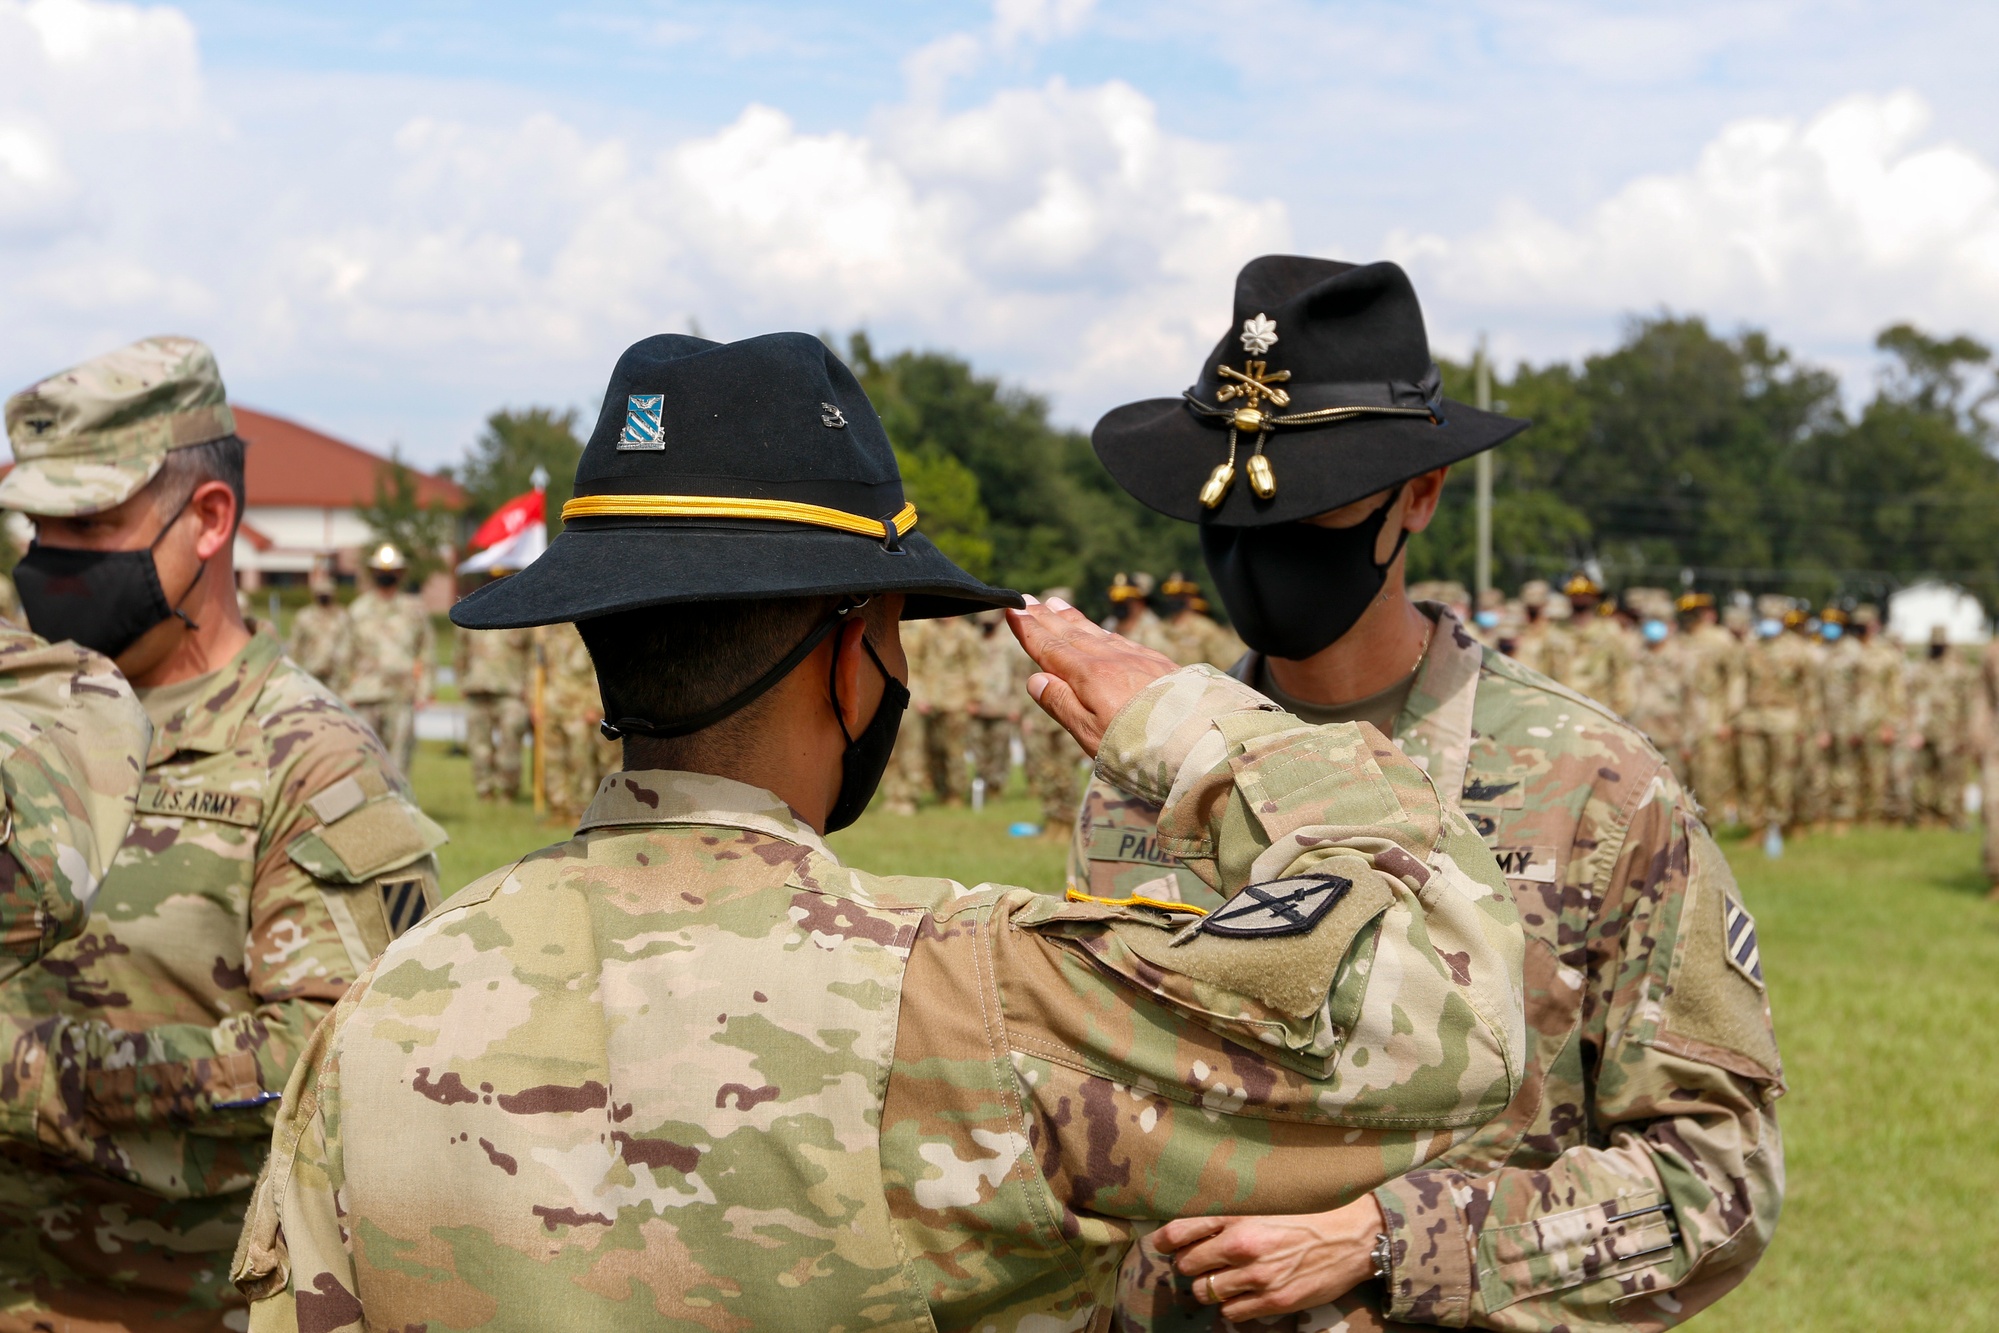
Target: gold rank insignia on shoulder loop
<point x="1289" y="906"/>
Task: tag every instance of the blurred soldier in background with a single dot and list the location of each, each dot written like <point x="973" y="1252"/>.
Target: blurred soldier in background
<point x="1880" y="703"/>
<point x="322" y="637"/>
<point x="1542" y="645"/>
<point x="908" y="775"/>
<point x="1941" y="698"/>
<point x="1191" y="633"/>
<point x="494" y="668"/>
<point x="1779" y="684"/>
<point x="1815" y="752"/>
<point x="1661" y="688"/>
<point x="1489" y="625"/>
<point x="954" y="654"/>
<point x="578" y="755"/>
<point x="1131" y="614"/>
<point x="1988" y="735"/>
<point x="1003" y="669"/>
<point x="1600" y="650"/>
<point x="1713" y="660"/>
<point x="1053" y="759"/>
<point x="393" y="649"/>
<point x="1447" y="593"/>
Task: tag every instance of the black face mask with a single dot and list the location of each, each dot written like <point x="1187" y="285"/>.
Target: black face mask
<point x="866" y="757"/>
<point x="103" y="600"/>
<point x="1293" y="588"/>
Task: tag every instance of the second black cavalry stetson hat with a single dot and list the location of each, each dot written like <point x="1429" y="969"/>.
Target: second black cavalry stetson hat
<point x="1321" y="392"/>
<point x="731" y="471"/>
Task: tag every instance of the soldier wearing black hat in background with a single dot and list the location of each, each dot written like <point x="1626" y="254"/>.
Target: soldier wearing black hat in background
<point x="1637" y="1177"/>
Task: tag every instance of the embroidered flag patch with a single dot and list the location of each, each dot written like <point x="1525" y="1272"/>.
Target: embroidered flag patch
<point x="642" y="427"/>
<point x="1740" y="929"/>
<point x="1278" y="907"/>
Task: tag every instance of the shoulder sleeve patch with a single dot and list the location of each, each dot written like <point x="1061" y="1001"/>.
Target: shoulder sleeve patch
<point x="1716" y="1007"/>
<point x="368" y="840"/>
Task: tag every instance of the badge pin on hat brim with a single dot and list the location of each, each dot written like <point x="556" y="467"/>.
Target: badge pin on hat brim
<point x="732" y="471"/>
<point x="1326" y="376"/>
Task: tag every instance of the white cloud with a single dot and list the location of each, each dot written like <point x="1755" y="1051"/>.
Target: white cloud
<point x="1825" y="229"/>
<point x="1056" y="231"/>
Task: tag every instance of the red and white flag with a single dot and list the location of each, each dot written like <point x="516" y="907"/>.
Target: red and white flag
<point x="516" y="533"/>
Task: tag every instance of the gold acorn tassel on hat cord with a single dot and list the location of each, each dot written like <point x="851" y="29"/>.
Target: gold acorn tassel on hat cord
<point x="1217" y="486"/>
<point x="1261" y="479"/>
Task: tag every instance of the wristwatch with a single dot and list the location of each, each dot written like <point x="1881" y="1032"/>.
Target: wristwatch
<point x="1382" y="1253"/>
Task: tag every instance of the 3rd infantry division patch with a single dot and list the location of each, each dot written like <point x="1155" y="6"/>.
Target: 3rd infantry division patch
<point x="1740" y="927"/>
<point x="1288" y="906"/>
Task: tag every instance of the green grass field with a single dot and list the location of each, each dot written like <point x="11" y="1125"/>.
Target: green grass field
<point x="1883" y="961"/>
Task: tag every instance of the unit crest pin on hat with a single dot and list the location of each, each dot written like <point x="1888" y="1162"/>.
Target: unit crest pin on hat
<point x="1325" y="375"/>
<point x="731" y="471"/>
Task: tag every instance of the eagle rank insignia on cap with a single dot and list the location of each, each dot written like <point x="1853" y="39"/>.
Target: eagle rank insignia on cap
<point x="642" y="422"/>
<point x="1288" y="906"/>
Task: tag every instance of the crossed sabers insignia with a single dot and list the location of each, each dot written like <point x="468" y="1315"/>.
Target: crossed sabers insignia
<point x="1254" y="382"/>
<point x="1278" y="904"/>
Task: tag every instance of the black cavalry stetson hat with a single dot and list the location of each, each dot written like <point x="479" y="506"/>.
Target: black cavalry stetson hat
<point x="1322" y="392"/>
<point x="725" y="471"/>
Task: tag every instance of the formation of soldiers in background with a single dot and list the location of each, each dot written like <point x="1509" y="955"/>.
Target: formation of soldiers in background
<point x="1778" y="717"/>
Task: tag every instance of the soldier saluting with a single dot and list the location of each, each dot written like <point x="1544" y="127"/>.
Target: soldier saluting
<point x="1642" y="1154"/>
<point x="688" y="1069"/>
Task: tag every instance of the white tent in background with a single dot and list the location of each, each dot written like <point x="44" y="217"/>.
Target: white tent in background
<point x="1919" y="608"/>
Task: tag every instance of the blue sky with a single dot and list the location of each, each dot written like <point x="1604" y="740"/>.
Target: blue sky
<point x="391" y="219"/>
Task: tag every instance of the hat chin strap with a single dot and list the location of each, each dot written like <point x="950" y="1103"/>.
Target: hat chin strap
<point x="708" y="717"/>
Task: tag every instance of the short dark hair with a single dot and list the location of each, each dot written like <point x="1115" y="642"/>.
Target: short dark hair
<point x="662" y="663"/>
<point x="185" y="469"/>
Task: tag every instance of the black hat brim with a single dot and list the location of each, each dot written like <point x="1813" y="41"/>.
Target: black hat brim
<point x="601" y="567"/>
<point x="1162" y="454"/>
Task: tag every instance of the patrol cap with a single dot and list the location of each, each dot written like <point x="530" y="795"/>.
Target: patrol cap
<point x="1322" y="391"/>
<point x="731" y="472"/>
<point x="92" y="436"/>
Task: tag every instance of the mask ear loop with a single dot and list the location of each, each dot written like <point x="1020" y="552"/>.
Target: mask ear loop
<point x="833" y="669"/>
<point x="200" y="569"/>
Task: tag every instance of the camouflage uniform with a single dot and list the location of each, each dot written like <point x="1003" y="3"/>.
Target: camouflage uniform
<point x="72" y="743"/>
<point x="394" y="646"/>
<point x="1714" y="662"/>
<point x="572" y="707"/>
<point x="10" y="601"/>
<point x="1004" y="667"/>
<point x="1638" y="1174"/>
<point x="908" y="775"/>
<point x="1779" y="688"/>
<point x="1661" y="701"/>
<point x="1143" y="627"/>
<point x="1864" y="694"/>
<point x="953" y="662"/>
<point x="1193" y="637"/>
<point x="915" y="1105"/>
<point x="493" y="667"/>
<point x="1543" y="646"/>
<point x="1941" y="691"/>
<point x="322" y="641"/>
<point x="273" y="856"/>
<point x="1599" y="662"/>
<point x="1988" y="735"/>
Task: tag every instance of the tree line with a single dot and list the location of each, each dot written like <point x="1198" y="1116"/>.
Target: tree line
<point x="1679" y="454"/>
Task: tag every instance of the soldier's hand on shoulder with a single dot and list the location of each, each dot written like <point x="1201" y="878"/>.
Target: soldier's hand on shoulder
<point x="1087" y="673"/>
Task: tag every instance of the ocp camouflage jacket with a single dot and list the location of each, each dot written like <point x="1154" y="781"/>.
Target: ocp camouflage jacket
<point x="270" y="859"/>
<point x="1638" y="1174"/>
<point x="688" y="1071"/>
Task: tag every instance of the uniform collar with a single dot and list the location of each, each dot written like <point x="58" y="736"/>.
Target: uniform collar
<point x="659" y="796"/>
<point x="208" y="722"/>
<point x="1434" y="727"/>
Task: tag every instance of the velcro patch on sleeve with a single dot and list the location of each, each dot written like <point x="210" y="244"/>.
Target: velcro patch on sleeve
<point x="1278" y="907"/>
<point x="377" y="837"/>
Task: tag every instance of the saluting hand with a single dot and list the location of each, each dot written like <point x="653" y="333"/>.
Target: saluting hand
<point x="1087" y="673"/>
